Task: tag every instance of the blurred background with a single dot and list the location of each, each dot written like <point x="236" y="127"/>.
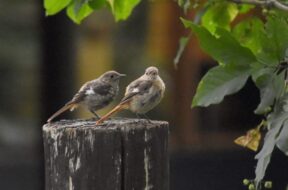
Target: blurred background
<point x="45" y="60"/>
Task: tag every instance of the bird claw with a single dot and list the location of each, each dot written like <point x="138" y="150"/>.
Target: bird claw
<point x="99" y="122"/>
<point x="149" y="121"/>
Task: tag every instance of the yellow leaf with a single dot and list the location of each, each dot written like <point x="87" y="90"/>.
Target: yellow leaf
<point x="250" y="140"/>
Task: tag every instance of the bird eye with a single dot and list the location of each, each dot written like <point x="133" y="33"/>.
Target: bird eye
<point x="112" y="76"/>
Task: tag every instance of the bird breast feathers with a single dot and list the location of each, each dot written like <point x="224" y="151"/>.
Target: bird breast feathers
<point x="160" y="85"/>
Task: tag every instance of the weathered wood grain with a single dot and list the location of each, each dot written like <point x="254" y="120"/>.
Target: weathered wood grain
<point x="122" y="154"/>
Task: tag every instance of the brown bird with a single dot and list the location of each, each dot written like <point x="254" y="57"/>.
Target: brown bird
<point x="141" y="95"/>
<point x="95" y="94"/>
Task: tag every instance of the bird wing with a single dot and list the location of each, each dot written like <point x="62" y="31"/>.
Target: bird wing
<point x="81" y="94"/>
<point x="102" y="89"/>
<point x="91" y="88"/>
<point x="135" y="88"/>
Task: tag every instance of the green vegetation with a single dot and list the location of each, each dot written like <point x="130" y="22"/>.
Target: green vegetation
<point x="77" y="10"/>
<point x="255" y="47"/>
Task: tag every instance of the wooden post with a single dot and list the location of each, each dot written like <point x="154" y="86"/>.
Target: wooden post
<point x="122" y="154"/>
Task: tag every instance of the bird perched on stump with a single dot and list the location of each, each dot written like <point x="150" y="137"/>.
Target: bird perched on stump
<point x="95" y="94"/>
<point x="141" y="95"/>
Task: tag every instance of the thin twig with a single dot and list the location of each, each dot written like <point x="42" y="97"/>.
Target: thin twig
<point x="265" y="3"/>
<point x="280" y="5"/>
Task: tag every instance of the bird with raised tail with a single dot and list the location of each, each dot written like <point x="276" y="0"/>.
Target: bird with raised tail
<point x="141" y="95"/>
<point x="95" y="94"/>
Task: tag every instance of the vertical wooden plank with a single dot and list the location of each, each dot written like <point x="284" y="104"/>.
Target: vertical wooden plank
<point x="80" y="156"/>
<point x="145" y="155"/>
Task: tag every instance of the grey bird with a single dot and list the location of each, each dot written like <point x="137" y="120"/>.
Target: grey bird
<point x="94" y="95"/>
<point x="141" y="95"/>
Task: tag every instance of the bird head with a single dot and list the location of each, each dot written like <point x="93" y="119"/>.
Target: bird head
<point x="111" y="76"/>
<point x="151" y="73"/>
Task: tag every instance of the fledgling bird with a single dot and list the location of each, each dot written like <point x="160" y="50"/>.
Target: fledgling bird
<point x="141" y="95"/>
<point x="95" y="94"/>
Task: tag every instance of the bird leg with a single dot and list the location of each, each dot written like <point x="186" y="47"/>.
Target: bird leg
<point x="147" y="118"/>
<point x="95" y="114"/>
<point x="138" y="115"/>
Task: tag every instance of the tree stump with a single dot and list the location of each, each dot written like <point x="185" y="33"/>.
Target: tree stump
<point x="121" y="154"/>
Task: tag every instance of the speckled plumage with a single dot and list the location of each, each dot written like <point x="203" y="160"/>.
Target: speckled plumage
<point x="141" y="95"/>
<point x="95" y="94"/>
<point x="149" y="94"/>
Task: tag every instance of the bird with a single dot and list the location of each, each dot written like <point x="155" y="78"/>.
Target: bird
<point x="141" y="95"/>
<point x="94" y="95"/>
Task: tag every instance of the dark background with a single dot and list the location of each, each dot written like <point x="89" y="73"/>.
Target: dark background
<point x="44" y="61"/>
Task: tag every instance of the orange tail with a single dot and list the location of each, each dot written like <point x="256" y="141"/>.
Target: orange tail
<point x="114" y="110"/>
<point x="64" y="108"/>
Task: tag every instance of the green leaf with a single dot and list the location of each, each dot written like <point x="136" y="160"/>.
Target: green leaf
<point x="227" y="78"/>
<point x="78" y="13"/>
<point x="275" y="122"/>
<point x="268" y="42"/>
<point x="54" y="6"/>
<point x="271" y="87"/>
<point x="282" y="140"/>
<point x="78" y="5"/>
<point x="264" y="159"/>
<point x="218" y="82"/>
<point x="182" y="44"/>
<point x="243" y="8"/>
<point x="186" y="23"/>
<point x="122" y="9"/>
<point x="219" y="15"/>
<point x="225" y="49"/>
<point x="251" y="33"/>
<point x="97" y="4"/>
<point x="267" y="95"/>
<point x="277" y="32"/>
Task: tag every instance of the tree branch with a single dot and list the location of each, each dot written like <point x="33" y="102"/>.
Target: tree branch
<point x="265" y="3"/>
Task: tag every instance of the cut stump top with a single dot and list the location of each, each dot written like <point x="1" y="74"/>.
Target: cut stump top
<point x="107" y="125"/>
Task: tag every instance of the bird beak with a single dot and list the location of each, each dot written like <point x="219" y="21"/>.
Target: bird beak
<point x="122" y="75"/>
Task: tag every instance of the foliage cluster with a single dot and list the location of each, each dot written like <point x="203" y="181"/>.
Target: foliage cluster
<point x="77" y="10"/>
<point x="255" y="47"/>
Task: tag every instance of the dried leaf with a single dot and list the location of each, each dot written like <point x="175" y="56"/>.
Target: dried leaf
<point x="250" y="140"/>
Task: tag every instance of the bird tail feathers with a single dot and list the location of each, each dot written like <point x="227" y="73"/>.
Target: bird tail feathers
<point x="61" y="110"/>
<point x="118" y="108"/>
